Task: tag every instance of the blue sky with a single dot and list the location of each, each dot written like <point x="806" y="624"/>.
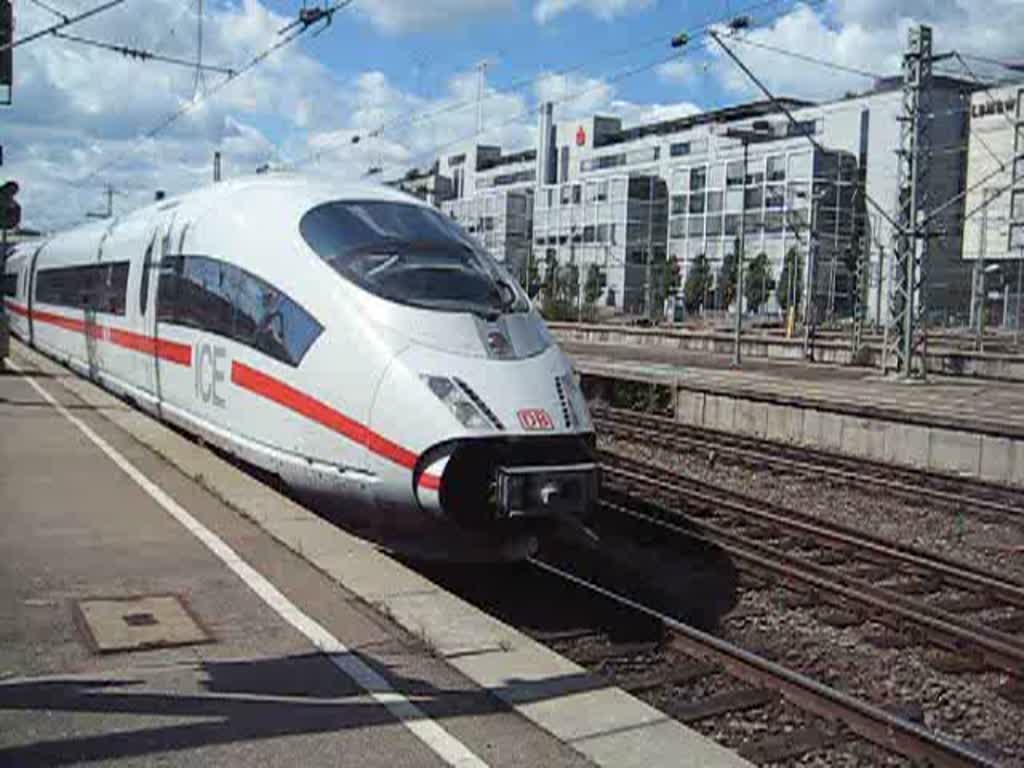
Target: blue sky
<point x="79" y="112"/>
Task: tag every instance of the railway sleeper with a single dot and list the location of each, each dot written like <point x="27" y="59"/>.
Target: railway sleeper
<point x="787" y="746"/>
<point x="730" y="702"/>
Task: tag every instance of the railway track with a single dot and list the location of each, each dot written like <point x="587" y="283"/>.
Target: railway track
<point x="921" y="597"/>
<point x="957" y="492"/>
<point x="769" y="712"/>
<point x="763" y="680"/>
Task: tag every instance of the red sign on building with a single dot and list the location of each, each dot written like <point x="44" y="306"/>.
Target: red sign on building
<point x="581" y="136"/>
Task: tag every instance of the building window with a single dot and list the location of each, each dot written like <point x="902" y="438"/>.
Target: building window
<point x="577" y="194"/>
<point x="777" y="168"/>
<point x="752" y="223"/>
<point x="775" y="196"/>
<point x="715" y="201"/>
<point x="799" y="166"/>
<point x="695" y="226"/>
<point x="697" y="203"/>
<point x="773" y="221"/>
<point x="803" y="127"/>
<point x="1017" y="205"/>
<point x="11" y="284"/>
<point x="734" y="200"/>
<point x="734" y="174"/>
<point x="679" y="149"/>
<point x="732" y="223"/>
<point x="755" y="173"/>
<point x="698" y="179"/>
<point x="679" y="203"/>
<point x="677" y="227"/>
<point x="716" y="176"/>
<point x="565" y="164"/>
<point x="714" y="225"/>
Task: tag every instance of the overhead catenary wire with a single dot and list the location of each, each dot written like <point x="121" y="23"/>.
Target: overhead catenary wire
<point x="143" y="54"/>
<point x="50" y="9"/>
<point x="296" y="32"/>
<point x="65" y="22"/>
<point x="810" y="59"/>
<point x="415" y="118"/>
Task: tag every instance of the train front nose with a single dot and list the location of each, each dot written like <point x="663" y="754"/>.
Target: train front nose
<point x="513" y="482"/>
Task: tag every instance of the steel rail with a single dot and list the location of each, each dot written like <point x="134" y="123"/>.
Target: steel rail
<point x="874" y="724"/>
<point x="997" y="649"/>
<point x="655" y="427"/>
<point x="894" y="611"/>
<point x="955" y="572"/>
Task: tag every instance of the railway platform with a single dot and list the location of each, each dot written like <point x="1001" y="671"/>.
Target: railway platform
<point x="949" y="424"/>
<point x="159" y="605"/>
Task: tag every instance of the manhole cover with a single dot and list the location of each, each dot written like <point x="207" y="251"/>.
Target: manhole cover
<point x="134" y="623"/>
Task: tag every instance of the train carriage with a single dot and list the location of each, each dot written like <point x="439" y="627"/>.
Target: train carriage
<point x="349" y="339"/>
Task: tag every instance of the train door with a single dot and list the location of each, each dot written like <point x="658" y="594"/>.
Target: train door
<point x="162" y="243"/>
<point x="30" y="293"/>
<point x="94" y="349"/>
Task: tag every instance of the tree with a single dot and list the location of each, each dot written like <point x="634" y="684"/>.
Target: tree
<point x="791" y="282"/>
<point x="727" y="279"/>
<point x="530" y="277"/>
<point x="593" y="286"/>
<point x="698" y="283"/>
<point x="670" y="278"/>
<point x="561" y="284"/>
<point x="757" y="282"/>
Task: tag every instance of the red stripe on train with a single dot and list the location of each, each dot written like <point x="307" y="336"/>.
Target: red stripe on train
<point x="171" y="351"/>
<point x="315" y="410"/>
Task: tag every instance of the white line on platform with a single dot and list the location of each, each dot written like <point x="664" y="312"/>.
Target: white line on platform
<point x="443" y="744"/>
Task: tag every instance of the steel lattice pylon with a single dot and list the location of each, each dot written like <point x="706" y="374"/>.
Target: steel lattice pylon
<point x="904" y="333"/>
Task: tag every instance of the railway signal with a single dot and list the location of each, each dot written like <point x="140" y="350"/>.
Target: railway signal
<point x="10" y="211"/>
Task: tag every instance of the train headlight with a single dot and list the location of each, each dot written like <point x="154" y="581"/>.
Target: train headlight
<point x="462" y="408"/>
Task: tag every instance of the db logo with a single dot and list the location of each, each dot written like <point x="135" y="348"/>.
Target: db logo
<point x="535" y="419"/>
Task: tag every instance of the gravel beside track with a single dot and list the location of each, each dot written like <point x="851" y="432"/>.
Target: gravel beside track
<point x="963" y="706"/>
<point x="986" y="541"/>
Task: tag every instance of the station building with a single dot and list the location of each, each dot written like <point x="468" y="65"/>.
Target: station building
<point x="631" y="198"/>
<point x="993" y="227"/>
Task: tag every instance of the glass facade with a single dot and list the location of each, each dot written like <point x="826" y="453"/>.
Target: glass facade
<point x="770" y="201"/>
<point x="501" y="221"/>
<point x="617" y="223"/>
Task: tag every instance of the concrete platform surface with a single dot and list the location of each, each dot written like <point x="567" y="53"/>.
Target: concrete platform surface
<point x="989" y="407"/>
<point x="312" y="647"/>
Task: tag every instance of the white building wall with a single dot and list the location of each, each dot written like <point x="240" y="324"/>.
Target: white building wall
<point x="991" y="147"/>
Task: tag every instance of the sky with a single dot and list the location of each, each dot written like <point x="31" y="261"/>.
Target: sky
<point x="404" y="76"/>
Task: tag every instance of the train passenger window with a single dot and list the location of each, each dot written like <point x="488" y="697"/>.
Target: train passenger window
<point x="271" y="322"/>
<point x="111" y="289"/>
<point x="167" y="288"/>
<point x="99" y="287"/>
<point x="204" y="295"/>
<point x="410" y="254"/>
<point x="220" y="298"/>
<point x="11" y="285"/>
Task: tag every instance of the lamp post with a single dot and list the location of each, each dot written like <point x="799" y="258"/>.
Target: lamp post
<point x="761" y="133"/>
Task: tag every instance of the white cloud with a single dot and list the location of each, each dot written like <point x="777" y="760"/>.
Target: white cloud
<point x="869" y="35"/>
<point x="545" y="10"/>
<point x="397" y="16"/>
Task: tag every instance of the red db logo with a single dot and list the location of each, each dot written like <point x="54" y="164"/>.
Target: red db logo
<point x="535" y="420"/>
<point x="581" y="136"/>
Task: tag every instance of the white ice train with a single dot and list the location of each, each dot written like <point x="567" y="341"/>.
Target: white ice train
<point x="349" y="339"/>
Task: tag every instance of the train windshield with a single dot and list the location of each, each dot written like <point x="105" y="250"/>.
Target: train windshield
<point x="410" y="254"/>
